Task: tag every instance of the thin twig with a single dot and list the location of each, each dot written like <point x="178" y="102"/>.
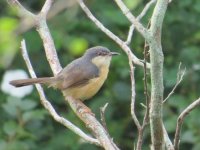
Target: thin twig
<point x="21" y="8"/>
<point x="59" y="6"/>
<point x="180" y="75"/>
<point x="46" y="7"/>
<point x="180" y="120"/>
<point x="43" y="30"/>
<point x="146" y="8"/>
<point x="102" y="113"/>
<point x="133" y="19"/>
<point x="132" y="69"/>
<point x="48" y="105"/>
<point x="115" y="38"/>
<point x="139" y="17"/>
<point x="130" y="34"/>
<point x="146" y="116"/>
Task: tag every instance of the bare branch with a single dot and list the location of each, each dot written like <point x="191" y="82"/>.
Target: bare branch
<point x="102" y="113"/>
<point x="85" y="114"/>
<point x="130" y="34"/>
<point x="157" y="88"/>
<point x="21" y="9"/>
<point x="26" y="23"/>
<point x="133" y="19"/>
<point x="139" y="17"/>
<point x="47" y="39"/>
<point x="121" y="43"/>
<point x="48" y="105"/>
<point x="46" y="7"/>
<point x="44" y="33"/>
<point x="146" y="8"/>
<point x="168" y="142"/>
<point x="180" y="120"/>
<point x="137" y="123"/>
<point x="180" y="75"/>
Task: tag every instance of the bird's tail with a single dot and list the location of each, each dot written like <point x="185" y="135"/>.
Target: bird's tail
<point x="25" y="82"/>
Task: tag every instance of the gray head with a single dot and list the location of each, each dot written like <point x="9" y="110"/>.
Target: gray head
<point x="99" y="51"/>
<point x="99" y="55"/>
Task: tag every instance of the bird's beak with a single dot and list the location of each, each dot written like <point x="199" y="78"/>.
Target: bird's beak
<point x="114" y="53"/>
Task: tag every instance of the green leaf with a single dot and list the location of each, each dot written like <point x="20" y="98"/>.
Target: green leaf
<point x="10" y="128"/>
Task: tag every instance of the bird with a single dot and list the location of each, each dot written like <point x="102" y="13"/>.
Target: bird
<point x="80" y="79"/>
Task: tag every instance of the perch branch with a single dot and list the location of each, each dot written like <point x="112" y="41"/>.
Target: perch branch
<point x="121" y="43"/>
<point x="85" y="114"/>
<point x="48" y="105"/>
<point x="180" y="120"/>
<point x="180" y="75"/>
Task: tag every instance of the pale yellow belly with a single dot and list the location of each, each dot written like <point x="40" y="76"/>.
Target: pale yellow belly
<point x="88" y="90"/>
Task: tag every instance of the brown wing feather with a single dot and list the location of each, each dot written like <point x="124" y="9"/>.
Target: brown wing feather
<point x="77" y="73"/>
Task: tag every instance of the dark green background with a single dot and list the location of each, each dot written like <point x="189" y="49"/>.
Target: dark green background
<point x="73" y="32"/>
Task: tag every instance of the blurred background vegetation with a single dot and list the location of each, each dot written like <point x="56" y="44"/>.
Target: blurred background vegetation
<point x="25" y="124"/>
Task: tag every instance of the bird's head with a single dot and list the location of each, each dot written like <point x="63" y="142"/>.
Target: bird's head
<point x="100" y="55"/>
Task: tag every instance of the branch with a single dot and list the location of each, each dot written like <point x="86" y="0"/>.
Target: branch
<point x="180" y="75"/>
<point x="121" y="43"/>
<point x="137" y="123"/>
<point x="168" y="142"/>
<point x="85" y="114"/>
<point x="157" y="88"/>
<point x="46" y="7"/>
<point x="21" y="9"/>
<point x="102" y="113"/>
<point x="47" y="39"/>
<point x="48" y="105"/>
<point x="26" y="23"/>
<point x="139" y="17"/>
<point x="180" y="120"/>
<point x="43" y="30"/>
<point x="144" y="32"/>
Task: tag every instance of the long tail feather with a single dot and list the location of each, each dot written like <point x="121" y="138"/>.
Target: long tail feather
<point x="25" y="82"/>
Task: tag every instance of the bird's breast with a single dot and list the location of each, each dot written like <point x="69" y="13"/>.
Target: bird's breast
<point x="89" y="89"/>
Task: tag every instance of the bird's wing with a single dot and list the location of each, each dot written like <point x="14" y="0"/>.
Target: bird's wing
<point x="77" y="74"/>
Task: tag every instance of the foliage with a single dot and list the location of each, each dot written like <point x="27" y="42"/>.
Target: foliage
<point x="26" y="125"/>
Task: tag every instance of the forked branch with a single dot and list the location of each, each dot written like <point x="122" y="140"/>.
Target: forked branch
<point x="180" y="120"/>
